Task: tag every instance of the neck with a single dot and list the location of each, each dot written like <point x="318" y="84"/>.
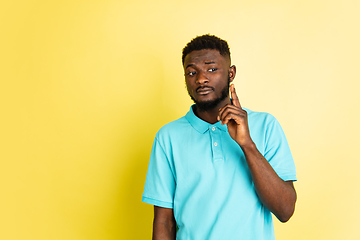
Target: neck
<point x="211" y="115"/>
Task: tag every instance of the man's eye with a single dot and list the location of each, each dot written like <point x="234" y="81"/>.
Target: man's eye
<point x="191" y="73"/>
<point x="212" y="69"/>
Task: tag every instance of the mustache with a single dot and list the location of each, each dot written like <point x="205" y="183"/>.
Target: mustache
<point x="204" y="88"/>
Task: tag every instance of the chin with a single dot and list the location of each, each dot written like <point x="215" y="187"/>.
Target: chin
<point x="207" y="105"/>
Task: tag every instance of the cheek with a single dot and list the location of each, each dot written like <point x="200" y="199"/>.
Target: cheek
<point x="188" y="88"/>
<point x="188" y="85"/>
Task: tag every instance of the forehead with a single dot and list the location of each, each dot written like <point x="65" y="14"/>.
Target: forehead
<point x="205" y="55"/>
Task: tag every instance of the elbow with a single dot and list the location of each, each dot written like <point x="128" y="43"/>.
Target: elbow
<point x="287" y="210"/>
<point x="286" y="214"/>
<point x="284" y="218"/>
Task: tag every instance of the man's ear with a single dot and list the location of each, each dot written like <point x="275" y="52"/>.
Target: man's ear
<point x="232" y="72"/>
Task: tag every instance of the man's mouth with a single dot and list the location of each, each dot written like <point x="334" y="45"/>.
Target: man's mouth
<point x="204" y="90"/>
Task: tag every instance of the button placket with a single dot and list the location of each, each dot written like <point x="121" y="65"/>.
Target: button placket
<point x="216" y="144"/>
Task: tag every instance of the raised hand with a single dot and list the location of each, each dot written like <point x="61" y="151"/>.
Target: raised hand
<point x="236" y="119"/>
<point x="277" y="195"/>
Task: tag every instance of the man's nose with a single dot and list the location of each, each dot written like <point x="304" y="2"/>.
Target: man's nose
<point x="202" y="78"/>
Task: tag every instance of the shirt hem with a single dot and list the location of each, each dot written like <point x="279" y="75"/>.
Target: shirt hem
<point x="157" y="202"/>
<point x="289" y="178"/>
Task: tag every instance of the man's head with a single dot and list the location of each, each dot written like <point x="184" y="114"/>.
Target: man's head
<point x="206" y="62"/>
<point x="206" y="41"/>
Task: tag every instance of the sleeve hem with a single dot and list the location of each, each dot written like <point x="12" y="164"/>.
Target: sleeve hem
<point x="288" y="178"/>
<point x="157" y="202"/>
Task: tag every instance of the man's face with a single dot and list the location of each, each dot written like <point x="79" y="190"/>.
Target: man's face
<point x="207" y="76"/>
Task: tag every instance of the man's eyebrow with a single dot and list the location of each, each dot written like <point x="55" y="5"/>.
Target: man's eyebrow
<point x="189" y="65"/>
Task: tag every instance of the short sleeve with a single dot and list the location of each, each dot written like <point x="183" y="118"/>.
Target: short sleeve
<point x="277" y="151"/>
<point x="160" y="182"/>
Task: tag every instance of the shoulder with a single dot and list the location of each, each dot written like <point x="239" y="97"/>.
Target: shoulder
<point x="263" y="125"/>
<point x="172" y="128"/>
<point x="260" y="117"/>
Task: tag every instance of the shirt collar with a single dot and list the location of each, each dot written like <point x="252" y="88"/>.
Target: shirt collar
<point x="200" y="125"/>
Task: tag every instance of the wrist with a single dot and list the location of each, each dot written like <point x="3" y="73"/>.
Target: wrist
<point x="248" y="146"/>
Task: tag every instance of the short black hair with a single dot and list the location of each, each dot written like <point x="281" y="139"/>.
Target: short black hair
<point x="206" y="41"/>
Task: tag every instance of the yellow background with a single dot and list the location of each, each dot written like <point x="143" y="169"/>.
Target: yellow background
<point x="85" y="85"/>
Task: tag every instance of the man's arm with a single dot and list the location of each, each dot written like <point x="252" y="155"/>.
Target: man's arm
<point x="276" y="194"/>
<point x="164" y="227"/>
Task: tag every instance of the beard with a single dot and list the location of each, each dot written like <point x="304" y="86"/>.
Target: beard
<point x="211" y="104"/>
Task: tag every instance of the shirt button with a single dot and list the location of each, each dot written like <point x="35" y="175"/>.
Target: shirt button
<point x="213" y="128"/>
<point x="215" y="144"/>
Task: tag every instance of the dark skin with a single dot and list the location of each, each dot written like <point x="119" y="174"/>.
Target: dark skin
<point x="206" y="74"/>
<point x="164" y="226"/>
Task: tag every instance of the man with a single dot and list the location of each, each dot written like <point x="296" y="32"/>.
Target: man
<point x="219" y="171"/>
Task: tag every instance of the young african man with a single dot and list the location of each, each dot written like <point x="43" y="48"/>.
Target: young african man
<point x="221" y="170"/>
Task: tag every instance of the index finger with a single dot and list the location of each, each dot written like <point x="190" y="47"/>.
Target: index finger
<point x="235" y="99"/>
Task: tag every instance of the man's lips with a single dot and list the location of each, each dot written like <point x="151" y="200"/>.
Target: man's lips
<point x="204" y="90"/>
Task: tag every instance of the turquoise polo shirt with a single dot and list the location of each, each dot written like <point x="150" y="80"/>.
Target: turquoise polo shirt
<point x="197" y="169"/>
